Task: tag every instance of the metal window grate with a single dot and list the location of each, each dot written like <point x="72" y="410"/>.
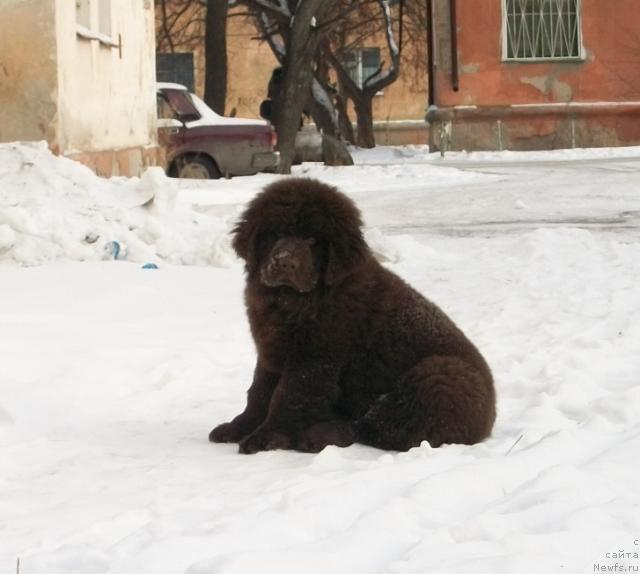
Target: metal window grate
<point x="542" y="29"/>
<point x="176" y="68"/>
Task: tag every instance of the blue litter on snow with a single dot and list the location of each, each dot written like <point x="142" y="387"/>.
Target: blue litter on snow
<point x="113" y="249"/>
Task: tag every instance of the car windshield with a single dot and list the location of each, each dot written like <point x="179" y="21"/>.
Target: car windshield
<point x="165" y="111"/>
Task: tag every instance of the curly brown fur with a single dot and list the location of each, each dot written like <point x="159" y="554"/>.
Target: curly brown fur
<point x="347" y="351"/>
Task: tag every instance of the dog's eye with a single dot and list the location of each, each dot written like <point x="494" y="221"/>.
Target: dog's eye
<point x="310" y="240"/>
<point x="270" y="237"/>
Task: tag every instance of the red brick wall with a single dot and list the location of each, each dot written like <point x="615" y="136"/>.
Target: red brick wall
<point x="610" y="71"/>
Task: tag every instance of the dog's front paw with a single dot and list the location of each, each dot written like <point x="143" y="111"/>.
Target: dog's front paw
<point x="264" y="439"/>
<point x="226" y="432"/>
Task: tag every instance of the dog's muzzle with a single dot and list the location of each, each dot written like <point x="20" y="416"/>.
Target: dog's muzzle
<point x="290" y="263"/>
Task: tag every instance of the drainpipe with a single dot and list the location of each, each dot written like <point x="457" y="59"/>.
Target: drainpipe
<point x="453" y="19"/>
<point x="431" y="44"/>
<point x="431" y="71"/>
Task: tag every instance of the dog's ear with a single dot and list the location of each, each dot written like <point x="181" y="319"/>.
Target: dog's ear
<point x="244" y="238"/>
<point x="347" y="252"/>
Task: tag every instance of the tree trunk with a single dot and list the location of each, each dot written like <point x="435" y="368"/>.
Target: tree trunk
<point x="322" y="118"/>
<point x="364" y="114"/>
<point x="321" y="100"/>
<point x="301" y="47"/>
<point x="344" y="122"/>
<point x="362" y="96"/>
<point x="215" y="46"/>
<point x="321" y="106"/>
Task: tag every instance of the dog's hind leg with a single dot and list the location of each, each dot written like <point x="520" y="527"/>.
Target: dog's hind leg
<point x="441" y="400"/>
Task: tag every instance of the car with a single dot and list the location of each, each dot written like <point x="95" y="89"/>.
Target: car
<point x="200" y="144"/>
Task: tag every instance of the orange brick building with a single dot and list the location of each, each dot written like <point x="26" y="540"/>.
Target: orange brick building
<point x="534" y="74"/>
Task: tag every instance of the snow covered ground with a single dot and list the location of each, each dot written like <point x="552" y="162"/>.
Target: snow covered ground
<point x="112" y="375"/>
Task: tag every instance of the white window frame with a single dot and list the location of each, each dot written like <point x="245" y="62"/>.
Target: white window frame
<point x="556" y="57"/>
<point x="92" y="14"/>
<point x="359" y="52"/>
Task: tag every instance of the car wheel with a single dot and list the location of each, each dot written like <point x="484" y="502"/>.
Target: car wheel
<point x="196" y="167"/>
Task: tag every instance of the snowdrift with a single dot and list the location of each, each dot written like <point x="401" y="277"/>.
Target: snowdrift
<point x="54" y="209"/>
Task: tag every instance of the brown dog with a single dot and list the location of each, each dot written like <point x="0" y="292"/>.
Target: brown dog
<point x="347" y="352"/>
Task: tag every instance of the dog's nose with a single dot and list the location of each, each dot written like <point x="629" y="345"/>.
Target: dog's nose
<point x="285" y="261"/>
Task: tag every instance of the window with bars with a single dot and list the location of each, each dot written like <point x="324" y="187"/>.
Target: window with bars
<point x="541" y="29"/>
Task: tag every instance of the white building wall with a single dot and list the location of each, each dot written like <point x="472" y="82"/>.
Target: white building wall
<point x="106" y="83"/>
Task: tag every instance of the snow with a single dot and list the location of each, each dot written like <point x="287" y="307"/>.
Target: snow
<point x="54" y="208"/>
<point x="112" y="375"/>
<point x="170" y="86"/>
<point x="389" y="29"/>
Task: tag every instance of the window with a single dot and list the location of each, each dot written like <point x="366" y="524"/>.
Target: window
<point x="83" y="13"/>
<point x="361" y="64"/>
<point x="104" y="17"/>
<point x="177" y="69"/>
<point x="93" y="21"/>
<point x="541" y="29"/>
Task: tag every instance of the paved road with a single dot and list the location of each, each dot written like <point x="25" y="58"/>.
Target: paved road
<point x="599" y="194"/>
<point x="620" y="164"/>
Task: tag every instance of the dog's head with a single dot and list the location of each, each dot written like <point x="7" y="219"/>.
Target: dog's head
<point x="300" y="233"/>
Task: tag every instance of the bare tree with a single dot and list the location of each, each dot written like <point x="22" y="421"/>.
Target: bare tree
<point x="184" y="26"/>
<point x="318" y="102"/>
<point x="294" y="31"/>
<point x="309" y="39"/>
<point x="179" y="25"/>
<point x="361" y="26"/>
<point x="414" y="27"/>
<point x="301" y="47"/>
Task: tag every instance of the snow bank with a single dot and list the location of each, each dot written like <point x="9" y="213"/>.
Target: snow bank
<point x="420" y="154"/>
<point x="107" y="395"/>
<point x="112" y="377"/>
<point x="52" y="208"/>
